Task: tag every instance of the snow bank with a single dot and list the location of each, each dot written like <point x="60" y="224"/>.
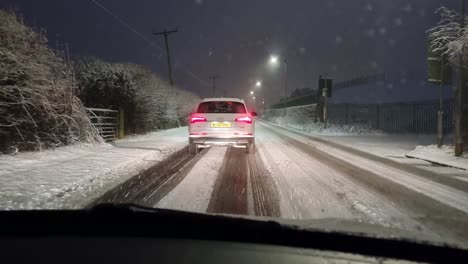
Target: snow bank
<point x="304" y="118"/>
<point x="444" y="156"/>
<point x="73" y="176"/>
<point x="312" y="127"/>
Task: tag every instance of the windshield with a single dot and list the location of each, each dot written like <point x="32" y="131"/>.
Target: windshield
<point x="352" y="114"/>
<point x="221" y="107"/>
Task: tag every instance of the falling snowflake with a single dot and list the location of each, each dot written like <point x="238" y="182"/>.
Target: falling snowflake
<point x="398" y="21"/>
<point x="302" y="50"/>
<point x="422" y="12"/>
<point x="408" y="8"/>
<point x="370" y="33"/>
<point x="379" y="20"/>
<point x="382" y="31"/>
<point x="369" y="7"/>
<point x="338" y="39"/>
<point x="199" y="2"/>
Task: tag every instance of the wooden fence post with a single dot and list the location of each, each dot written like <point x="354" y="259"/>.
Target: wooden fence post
<point x="121" y="123"/>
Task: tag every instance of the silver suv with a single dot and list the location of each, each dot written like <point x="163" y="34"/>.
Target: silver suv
<point x="222" y="121"/>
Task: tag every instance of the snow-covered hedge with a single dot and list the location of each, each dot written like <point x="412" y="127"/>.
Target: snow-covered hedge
<point x="149" y="103"/>
<point x="37" y="106"/>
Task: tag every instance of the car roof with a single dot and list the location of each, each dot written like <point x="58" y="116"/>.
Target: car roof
<point x="223" y="99"/>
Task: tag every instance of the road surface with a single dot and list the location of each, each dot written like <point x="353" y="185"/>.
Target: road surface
<point x="294" y="176"/>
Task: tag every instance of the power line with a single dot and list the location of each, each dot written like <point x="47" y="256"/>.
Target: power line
<point x="152" y="44"/>
<point x="121" y="21"/>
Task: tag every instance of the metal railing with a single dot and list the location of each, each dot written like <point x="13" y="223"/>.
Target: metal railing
<point x="105" y="121"/>
<point x="408" y="117"/>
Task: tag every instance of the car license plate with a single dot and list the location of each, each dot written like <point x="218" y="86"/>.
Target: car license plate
<point x="221" y="124"/>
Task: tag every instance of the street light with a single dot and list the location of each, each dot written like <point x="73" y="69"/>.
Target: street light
<point x="258" y="84"/>
<point x="273" y="59"/>
<point x="254" y="97"/>
<point x="251" y="92"/>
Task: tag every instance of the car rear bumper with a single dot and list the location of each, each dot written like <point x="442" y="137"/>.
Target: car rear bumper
<point x="221" y="140"/>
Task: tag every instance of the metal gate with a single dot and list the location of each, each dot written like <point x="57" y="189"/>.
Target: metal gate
<point x="105" y="121"/>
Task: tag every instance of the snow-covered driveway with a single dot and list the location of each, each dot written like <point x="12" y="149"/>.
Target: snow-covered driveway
<point x="72" y="176"/>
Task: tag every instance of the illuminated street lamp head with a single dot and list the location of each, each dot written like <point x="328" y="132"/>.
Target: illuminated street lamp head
<point x="251" y="92"/>
<point x="258" y="84"/>
<point x="273" y="59"/>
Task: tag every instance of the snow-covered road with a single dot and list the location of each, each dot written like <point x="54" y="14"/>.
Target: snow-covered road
<point x="292" y="176"/>
<point x="296" y="177"/>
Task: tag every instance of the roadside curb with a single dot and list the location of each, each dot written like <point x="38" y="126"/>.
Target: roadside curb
<point x="435" y="162"/>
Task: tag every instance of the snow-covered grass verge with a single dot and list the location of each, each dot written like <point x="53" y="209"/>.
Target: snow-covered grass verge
<point x="73" y="176"/>
<point x="443" y="156"/>
<point x="392" y="146"/>
<point x="309" y="126"/>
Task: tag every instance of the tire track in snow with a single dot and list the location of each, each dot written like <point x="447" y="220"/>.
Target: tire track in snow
<point x="312" y="190"/>
<point x="439" y="217"/>
<point x="193" y="193"/>
<point x="264" y="192"/>
<point x="230" y="193"/>
<point x="139" y="187"/>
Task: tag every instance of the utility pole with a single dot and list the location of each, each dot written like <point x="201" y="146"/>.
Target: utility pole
<point x="440" y="113"/>
<point x="325" y="106"/>
<point x="166" y="34"/>
<point x="214" y="77"/>
<point x="459" y="93"/>
<point x="285" y="83"/>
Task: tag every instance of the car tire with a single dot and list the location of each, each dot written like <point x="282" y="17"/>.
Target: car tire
<point x="250" y="149"/>
<point x="193" y="149"/>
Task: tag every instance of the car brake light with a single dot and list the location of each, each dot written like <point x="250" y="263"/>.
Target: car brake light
<point x="245" y="119"/>
<point x="196" y="119"/>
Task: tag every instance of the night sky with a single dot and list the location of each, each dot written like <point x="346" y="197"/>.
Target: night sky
<point x="233" y="39"/>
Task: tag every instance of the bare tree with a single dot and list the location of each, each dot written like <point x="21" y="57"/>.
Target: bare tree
<point x="448" y="37"/>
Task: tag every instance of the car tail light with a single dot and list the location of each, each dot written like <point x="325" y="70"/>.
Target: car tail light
<point x="245" y="119"/>
<point x="196" y="119"/>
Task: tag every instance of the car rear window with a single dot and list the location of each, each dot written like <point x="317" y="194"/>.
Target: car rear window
<point x="222" y="107"/>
